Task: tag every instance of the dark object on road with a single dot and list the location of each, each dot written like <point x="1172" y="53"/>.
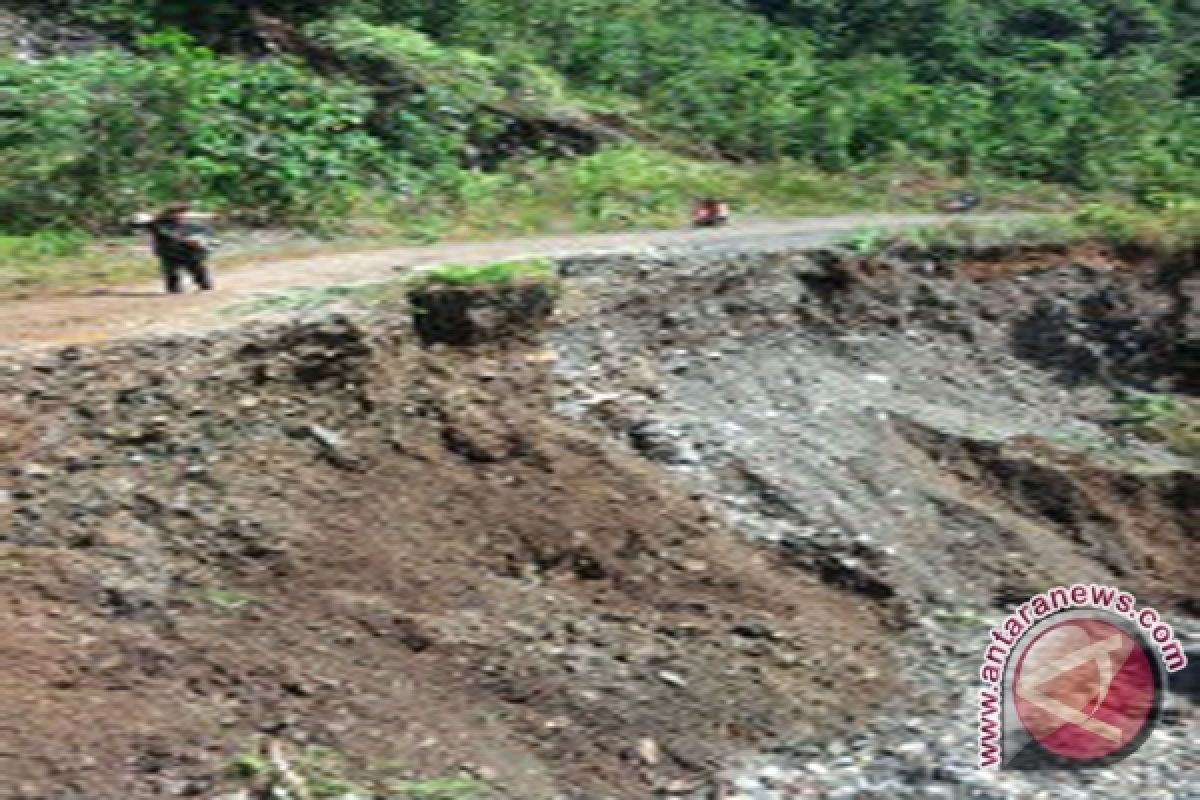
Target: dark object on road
<point x="182" y="243"/>
<point x="961" y="202"/>
<point x="710" y="213"/>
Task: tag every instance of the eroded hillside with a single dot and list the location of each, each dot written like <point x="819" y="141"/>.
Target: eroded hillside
<point x="715" y="507"/>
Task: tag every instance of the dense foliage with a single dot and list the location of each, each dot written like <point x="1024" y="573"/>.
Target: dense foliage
<point x="304" y="109"/>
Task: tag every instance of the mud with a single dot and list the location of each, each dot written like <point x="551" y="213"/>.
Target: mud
<point x="704" y="509"/>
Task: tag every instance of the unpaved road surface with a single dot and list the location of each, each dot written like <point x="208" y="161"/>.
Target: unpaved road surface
<point x="103" y="314"/>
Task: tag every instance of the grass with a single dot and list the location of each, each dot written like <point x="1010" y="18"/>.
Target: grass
<point x="67" y="259"/>
<point x="1171" y="230"/>
<point x="1163" y="233"/>
<point x="226" y="601"/>
<point x="248" y="767"/>
<point x="617" y="188"/>
<point x="500" y="273"/>
<point x="327" y="774"/>
<point x="966" y="234"/>
<point x="621" y="188"/>
<point x="963" y="617"/>
<point x="1170" y="419"/>
<point x="440" y="789"/>
<point x="1166" y="419"/>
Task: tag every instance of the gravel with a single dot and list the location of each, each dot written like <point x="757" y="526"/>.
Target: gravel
<point x="827" y="423"/>
<point x="926" y="746"/>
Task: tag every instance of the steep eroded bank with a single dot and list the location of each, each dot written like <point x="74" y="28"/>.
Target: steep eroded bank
<point x="917" y="427"/>
<point x="727" y="501"/>
<point x="940" y="435"/>
<point x="322" y="534"/>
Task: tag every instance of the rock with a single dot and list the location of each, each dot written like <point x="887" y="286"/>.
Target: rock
<point x="334" y="446"/>
<point x="648" y="752"/>
<point x="748" y="784"/>
<point x="912" y="751"/>
<point x="678" y="787"/>
<point x="672" y="678"/>
<point x="327" y="438"/>
<point x="773" y="776"/>
<point x="752" y="630"/>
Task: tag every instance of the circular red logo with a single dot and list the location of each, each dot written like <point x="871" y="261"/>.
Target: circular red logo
<point x="1085" y="689"/>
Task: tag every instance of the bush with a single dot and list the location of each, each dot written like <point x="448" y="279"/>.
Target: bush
<point x="92" y="138"/>
<point x="42" y="247"/>
<point x="1172" y="420"/>
<point x="501" y="273"/>
<point x="1097" y="94"/>
<point x="1169" y="231"/>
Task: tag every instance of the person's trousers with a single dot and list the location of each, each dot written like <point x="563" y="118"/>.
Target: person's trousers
<point x="173" y="274"/>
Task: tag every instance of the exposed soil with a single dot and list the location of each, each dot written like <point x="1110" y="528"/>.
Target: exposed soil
<point x="323" y="534"/>
<point x="849" y="409"/>
<point x="695" y="517"/>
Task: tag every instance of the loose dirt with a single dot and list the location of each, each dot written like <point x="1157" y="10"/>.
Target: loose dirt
<point x="699" y="515"/>
<point x="322" y="534"/>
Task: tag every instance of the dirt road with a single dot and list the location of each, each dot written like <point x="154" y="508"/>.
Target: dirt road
<point x="104" y="314"/>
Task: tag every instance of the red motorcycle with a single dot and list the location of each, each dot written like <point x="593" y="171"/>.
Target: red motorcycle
<point x="710" y="213"/>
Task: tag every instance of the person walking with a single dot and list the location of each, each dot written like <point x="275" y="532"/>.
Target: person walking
<point x="182" y="245"/>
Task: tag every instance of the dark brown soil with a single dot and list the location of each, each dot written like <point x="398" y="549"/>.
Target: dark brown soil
<point x="1002" y="265"/>
<point x="341" y="541"/>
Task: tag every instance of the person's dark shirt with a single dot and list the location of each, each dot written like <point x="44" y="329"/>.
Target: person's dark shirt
<point x="174" y="239"/>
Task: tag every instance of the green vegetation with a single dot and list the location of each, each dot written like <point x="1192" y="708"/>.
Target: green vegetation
<point x="90" y="139"/>
<point x="501" y="273"/>
<point x="1170" y="419"/>
<point x="248" y="767"/>
<point x="367" y="295"/>
<point x="486" y="117"/>
<point x="1171" y="230"/>
<point x="324" y="773"/>
<point x="226" y="601"/>
<point x="440" y="789"/>
<point x="1166" y="232"/>
<point x="615" y="188"/>
<point x="305" y="299"/>
<point x="61" y="259"/>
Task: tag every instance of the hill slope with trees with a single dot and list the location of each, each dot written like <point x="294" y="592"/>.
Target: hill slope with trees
<point x="297" y="111"/>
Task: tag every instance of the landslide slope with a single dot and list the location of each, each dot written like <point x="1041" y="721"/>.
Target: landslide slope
<point x="699" y="515"/>
<point x="322" y="534"/>
<point x="941" y="428"/>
